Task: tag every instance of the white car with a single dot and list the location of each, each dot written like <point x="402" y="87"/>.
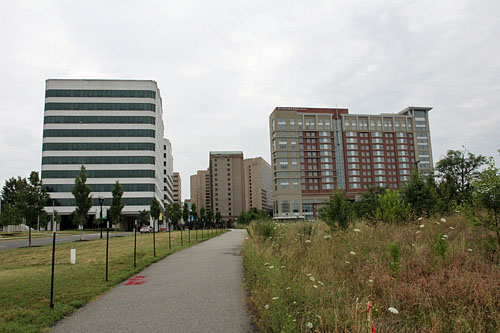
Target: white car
<point x="146" y="228"/>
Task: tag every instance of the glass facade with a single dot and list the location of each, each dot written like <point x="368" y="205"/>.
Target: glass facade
<point x="107" y="202"/>
<point x="100" y="93"/>
<point x="74" y="133"/>
<point x="98" y="120"/>
<point x="98" y="160"/>
<point x="99" y="173"/>
<point x="101" y="106"/>
<point x="67" y="146"/>
<point x="101" y="187"/>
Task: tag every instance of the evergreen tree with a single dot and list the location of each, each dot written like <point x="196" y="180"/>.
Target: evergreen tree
<point x="155" y="209"/>
<point x="83" y="200"/>
<point x="116" y="203"/>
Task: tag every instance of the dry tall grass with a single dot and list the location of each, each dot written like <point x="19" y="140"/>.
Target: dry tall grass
<point x="302" y="277"/>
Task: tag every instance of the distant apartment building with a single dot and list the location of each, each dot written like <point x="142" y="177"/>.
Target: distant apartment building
<point x="113" y="127"/>
<point x="317" y="150"/>
<point x="258" y="184"/>
<point x="200" y="189"/>
<point x="227" y="183"/>
<point x="232" y="184"/>
<point x="177" y="188"/>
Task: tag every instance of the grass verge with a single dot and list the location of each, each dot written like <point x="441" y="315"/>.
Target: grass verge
<point x="25" y="276"/>
<point x="440" y="277"/>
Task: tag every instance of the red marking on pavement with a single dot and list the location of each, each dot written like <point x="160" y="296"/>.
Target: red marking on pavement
<point x="135" y="281"/>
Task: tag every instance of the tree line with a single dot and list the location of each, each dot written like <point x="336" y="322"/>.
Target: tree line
<point x="462" y="181"/>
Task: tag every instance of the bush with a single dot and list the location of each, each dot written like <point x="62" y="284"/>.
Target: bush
<point x="338" y="211"/>
<point x="391" y="208"/>
<point x="262" y="228"/>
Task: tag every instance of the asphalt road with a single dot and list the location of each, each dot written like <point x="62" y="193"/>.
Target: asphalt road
<point x="17" y="243"/>
<point x="199" y="289"/>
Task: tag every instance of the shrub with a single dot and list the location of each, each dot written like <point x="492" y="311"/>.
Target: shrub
<point x="391" y="208"/>
<point x="338" y="212"/>
<point x="262" y="228"/>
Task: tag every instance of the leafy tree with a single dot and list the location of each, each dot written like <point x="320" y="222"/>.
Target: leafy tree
<point x="487" y="197"/>
<point x="57" y="219"/>
<point x="458" y="172"/>
<point x="185" y="213"/>
<point x="176" y="214"/>
<point x="252" y="214"/>
<point x="194" y="214"/>
<point x="23" y="198"/>
<point x="420" y="194"/>
<point x="144" y="217"/>
<point x="202" y="218"/>
<point x="391" y="208"/>
<point x="218" y="218"/>
<point x="155" y="209"/>
<point x="81" y="192"/>
<point x="210" y="218"/>
<point x="366" y="207"/>
<point x="116" y="203"/>
<point x="338" y="211"/>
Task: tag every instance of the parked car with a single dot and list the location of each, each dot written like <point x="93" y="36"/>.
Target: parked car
<point x="146" y="229"/>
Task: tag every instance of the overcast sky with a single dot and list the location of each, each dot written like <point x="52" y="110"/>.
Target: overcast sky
<point x="223" y="66"/>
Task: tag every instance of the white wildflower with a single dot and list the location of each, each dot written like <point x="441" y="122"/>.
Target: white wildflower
<point x="393" y="310"/>
<point x="288" y="288"/>
<point x="308" y="241"/>
<point x="328" y="237"/>
<point x="321" y="283"/>
<point x="318" y="316"/>
<point x="357" y="230"/>
<point x="370" y="281"/>
<point x="470" y="250"/>
<point x="275" y="298"/>
<point x="294" y="320"/>
<point x="294" y="302"/>
<point x="420" y="218"/>
<point x="347" y="262"/>
<point x="445" y="236"/>
<point x="315" y="286"/>
<point x="282" y="266"/>
<point x="266" y="306"/>
<point x="271" y="267"/>
<point x="421" y="226"/>
<point x="438" y="223"/>
<point x="452" y="228"/>
<point x="308" y="274"/>
<point x="312" y="278"/>
<point x="413" y="245"/>
<point x="309" y="325"/>
<point x="352" y="253"/>
<point x="417" y="232"/>
<point x="443" y="220"/>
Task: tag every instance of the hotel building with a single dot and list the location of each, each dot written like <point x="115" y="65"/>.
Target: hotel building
<point x="113" y="127"/>
<point x="317" y="150"/>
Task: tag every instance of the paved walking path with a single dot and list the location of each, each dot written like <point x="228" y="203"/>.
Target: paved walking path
<point x="199" y="289"/>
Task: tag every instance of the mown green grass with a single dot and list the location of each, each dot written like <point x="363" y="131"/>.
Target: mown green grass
<point x="303" y="277"/>
<point x="25" y="276"/>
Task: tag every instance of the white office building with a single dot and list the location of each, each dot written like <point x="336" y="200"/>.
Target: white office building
<point x="113" y="127"/>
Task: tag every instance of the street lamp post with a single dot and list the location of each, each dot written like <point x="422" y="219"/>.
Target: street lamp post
<point x="101" y="201"/>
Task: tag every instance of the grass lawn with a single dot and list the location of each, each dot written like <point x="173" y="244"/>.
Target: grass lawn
<point x="302" y="277"/>
<point x="25" y="276"/>
<point x="41" y="234"/>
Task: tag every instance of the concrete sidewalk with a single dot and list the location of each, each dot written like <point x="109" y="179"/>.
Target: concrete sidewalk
<point x="199" y="289"/>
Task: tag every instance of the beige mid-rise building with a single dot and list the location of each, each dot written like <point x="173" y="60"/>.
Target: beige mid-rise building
<point x="200" y="189"/>
<point x="227" y="183"/>
<point x="258" y="184"/>
<point x="177" y="188"/>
